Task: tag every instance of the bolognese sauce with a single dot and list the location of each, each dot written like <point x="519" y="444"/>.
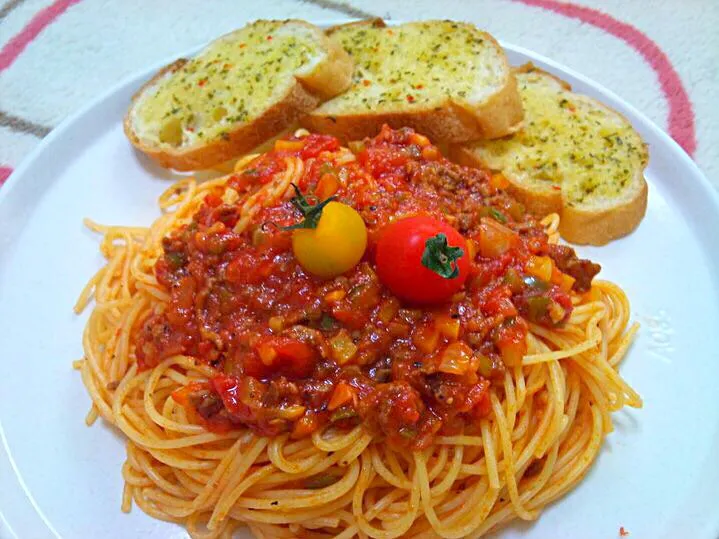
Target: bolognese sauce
<point x="294" y="352"/>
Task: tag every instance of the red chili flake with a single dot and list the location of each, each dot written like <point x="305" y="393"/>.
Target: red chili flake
<point x="227" y="66"/>
<point x="410" y="98"/>
<point x="269" y="38"/>
<point x="191" y="129"/>
<point x="623" y="532"/>
<point x="243" y="45"/>
<point x="202" y="82"/>
<point x="366" y="82"/>
<point x="556" y="188"/>
<point x="419" y="87"/>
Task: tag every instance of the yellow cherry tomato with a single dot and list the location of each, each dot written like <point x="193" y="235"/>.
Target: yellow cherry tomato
<point x="335" y="246"/>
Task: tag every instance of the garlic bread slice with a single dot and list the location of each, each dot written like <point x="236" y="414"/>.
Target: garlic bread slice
<point x="448" y="80"/>
<point x="574" y="156"/>
<point x="240" y="90"/>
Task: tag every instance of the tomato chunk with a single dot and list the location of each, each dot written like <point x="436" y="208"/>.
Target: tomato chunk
<point x="280" y="355"/>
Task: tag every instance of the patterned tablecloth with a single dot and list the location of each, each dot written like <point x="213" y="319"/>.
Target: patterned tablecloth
<point x="661" y="56"/>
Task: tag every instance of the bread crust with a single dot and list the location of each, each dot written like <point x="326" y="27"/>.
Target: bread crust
<point x="529" y="67"/>
<point x="376" y="22"/>
<point x="599" y="227"/>
<point x="332" y="76"/>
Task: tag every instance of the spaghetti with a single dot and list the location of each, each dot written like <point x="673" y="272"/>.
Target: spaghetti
<point x="531" y="436"/>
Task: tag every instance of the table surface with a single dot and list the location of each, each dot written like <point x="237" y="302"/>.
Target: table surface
<point x="55" y="55"/>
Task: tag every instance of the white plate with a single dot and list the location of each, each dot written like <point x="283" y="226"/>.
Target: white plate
<point x="657" y="474"/>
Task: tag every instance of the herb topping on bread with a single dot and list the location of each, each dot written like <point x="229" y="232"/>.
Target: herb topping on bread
<point x="242" y="89"/>
<point x="574" y="156"/>
<point x="448" y="80"/>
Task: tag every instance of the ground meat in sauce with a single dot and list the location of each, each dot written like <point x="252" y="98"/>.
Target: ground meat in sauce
<point x="234" y="297"/>
<point x="567" y="261"/>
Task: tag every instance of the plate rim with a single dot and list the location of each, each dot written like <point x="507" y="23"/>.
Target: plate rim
<point x="7" y="462"/>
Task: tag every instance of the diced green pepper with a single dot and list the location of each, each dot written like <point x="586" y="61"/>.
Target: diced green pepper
<point x="176" y="260"/>
<point x="535" y="283"/>
<point x="538" y="307"/>
<point x="345" y="412"/>
<point x="327" y="322"/>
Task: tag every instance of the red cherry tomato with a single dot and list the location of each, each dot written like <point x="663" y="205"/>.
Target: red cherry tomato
<point x="422" y="260"/>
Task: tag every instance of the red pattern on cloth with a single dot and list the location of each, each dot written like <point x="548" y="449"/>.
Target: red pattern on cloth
<point x="4" y="173"/>
<point x="39" y="22"/>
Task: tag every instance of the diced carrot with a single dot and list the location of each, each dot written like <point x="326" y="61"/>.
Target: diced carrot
<point x="289" y="145"/>
<point x="327" y="186"/>
<point x="556" y="275"/>
<point x="304" y="426"/>
<point x="498" y="181"/>
<point x="430" y="153"/>
<point x="341" y="395"/>
<point x="420" y="140"/>
<point x="335" y="296"/>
